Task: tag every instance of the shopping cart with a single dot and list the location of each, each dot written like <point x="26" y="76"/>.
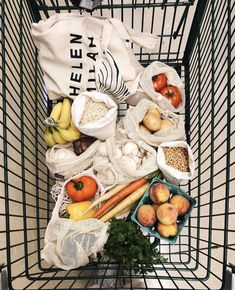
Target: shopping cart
<point x="196" y="38"/>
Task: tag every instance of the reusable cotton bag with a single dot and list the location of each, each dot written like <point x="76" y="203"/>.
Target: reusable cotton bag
<point x="173" y="79"/>
<point x="128" y="126"/>
<point x="171" y="174"/>
<point x="68" y="243"/>
<point x="100" y="128"/>
<point x="111" y="169"/>
<point x="85" y="53"/>
<point x="62" y="161"/>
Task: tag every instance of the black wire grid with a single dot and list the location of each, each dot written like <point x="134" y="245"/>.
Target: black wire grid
<point x="202" y="51"/>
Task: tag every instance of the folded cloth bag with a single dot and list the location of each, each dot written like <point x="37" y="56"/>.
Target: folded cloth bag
<point x="173" y="79"/>
<point x="79" y="53"/>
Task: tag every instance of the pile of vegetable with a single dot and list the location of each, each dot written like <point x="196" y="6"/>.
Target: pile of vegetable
<point x="111" y="204"/>
<point x="154" y="122"/>
<point x="87" y="198"/>
<point x="171" y="93"/>
<point x="127" y="245"/>
<point x="81" y="191"/>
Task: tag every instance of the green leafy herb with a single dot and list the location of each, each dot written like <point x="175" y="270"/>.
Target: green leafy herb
<point x="127" y="245"/>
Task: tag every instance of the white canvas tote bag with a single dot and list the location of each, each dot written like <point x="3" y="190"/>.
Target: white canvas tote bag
<point x="86" y="53"/>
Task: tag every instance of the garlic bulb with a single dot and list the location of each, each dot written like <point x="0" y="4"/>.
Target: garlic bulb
<point x="102" y="149"/>
<point x="128" y="163"/>
<point x="130" y="149"/>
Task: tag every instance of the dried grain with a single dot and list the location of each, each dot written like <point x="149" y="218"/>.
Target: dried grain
<point x="93" y="111"/>
<point x="177" y="157"/>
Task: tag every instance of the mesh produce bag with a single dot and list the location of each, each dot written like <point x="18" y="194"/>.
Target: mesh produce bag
<point x="68" y="243"/>
<point x="110" y="166"/>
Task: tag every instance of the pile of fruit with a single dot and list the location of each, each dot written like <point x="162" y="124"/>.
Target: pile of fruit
<point x="59" y="126"/>
<point x="164" y="211"/>
<point x="171" y="93"/>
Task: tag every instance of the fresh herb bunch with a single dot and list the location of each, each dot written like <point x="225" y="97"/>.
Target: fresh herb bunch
<point x="127" y="245"/>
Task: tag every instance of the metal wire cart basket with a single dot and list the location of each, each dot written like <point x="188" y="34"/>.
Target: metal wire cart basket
<point x="196" y="38"/>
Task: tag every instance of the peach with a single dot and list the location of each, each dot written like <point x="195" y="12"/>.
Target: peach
<point x="146" y="215"/>
<point x="167" y="231"/>
<point x="167" y="214"/>
<point x="181" y="203"/>
<point x="159" y="193"/>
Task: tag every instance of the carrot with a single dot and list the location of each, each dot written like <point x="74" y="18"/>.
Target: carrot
<point x="120" y="196"/>
<point x="137" y="194"/>
<point x="106" y="195"/>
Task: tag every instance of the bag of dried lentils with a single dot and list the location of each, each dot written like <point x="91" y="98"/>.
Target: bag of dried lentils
<point x="175" y="160"/>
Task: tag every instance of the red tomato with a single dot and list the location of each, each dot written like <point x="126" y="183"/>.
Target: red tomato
<point x="82" y="188"/>
<point x="159" y="82"/>
<point x="173" y="95"/>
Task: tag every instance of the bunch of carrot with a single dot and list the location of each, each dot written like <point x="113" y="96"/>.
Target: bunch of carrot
<point x="120" y="197"/>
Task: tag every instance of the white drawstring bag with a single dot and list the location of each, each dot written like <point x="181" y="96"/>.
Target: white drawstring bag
<point x="128" y="126"/>
<point x="85" y="53"/>
<point x="173" y="79"/>
<point x="68" y="243"/>
<point x="63" y="162"/>
<point x="170" y="173"/>
<point x="110" y="167"/>
<point x="100" y="128"/>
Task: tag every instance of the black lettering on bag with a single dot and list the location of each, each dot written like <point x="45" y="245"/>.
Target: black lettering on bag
<point x="92" y="70"/>
<point x="74" y="53"/>
<point x="76" y="77"/>
<point x="75" y="91"/>
<point x="91" y="89"/>
<point x="76" y="38"/>
<point x="91" y="43"/>
<point x="92" y="55"/>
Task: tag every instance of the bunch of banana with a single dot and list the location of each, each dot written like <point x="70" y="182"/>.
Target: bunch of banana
<point x="59" y="126"/>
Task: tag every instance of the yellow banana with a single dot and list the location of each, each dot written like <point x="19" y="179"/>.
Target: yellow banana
<point x="49" y="138"/>
<point x="56" y="111"/>
<point x="65" y="116"/>
<point x="70" y="134"/>
<point x="57" y="137"/>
